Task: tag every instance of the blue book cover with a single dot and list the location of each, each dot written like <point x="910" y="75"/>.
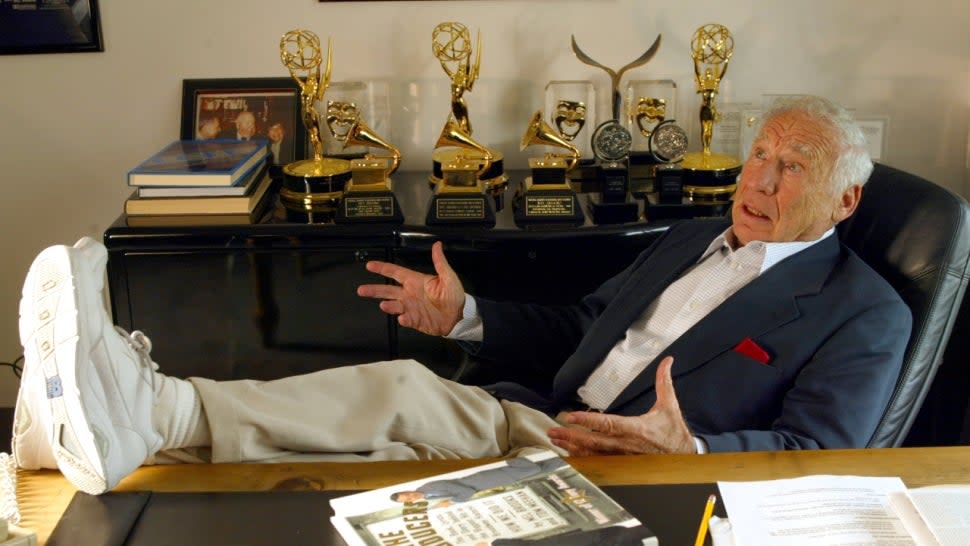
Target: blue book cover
<point x="216" y="162"/>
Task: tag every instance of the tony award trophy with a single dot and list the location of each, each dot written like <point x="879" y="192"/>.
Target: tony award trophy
<point x="611" y="144"/>
<point x="368" y="196"/>
<point x="546" y="196"/>
<point x="311" y="187"/>
<point x="458" y="196"/>
<point x="710" y="177"/>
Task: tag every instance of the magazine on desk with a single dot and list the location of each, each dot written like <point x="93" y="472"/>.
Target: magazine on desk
<point x="534" y="500"/>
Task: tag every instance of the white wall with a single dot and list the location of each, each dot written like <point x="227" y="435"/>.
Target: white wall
<point x="74" y="123"/>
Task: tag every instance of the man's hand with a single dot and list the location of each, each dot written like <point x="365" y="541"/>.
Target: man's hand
<point x="660" y="430"/>
<point x="431" y="304"/>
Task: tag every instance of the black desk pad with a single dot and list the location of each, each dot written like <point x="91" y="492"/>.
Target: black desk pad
<point x="295" y="518"/>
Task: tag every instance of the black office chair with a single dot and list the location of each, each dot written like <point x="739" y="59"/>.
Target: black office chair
<point x="917" y="236"/>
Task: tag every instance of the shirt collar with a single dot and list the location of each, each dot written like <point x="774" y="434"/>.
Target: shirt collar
<point x="772" y="252"/>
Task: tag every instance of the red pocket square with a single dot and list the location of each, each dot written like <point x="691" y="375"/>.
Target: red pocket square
<point x="752" y="350"/>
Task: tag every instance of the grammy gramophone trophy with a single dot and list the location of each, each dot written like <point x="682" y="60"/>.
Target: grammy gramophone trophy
<point x="452" y="46"/>
<point x="311" y="187"/>
<point x="710" y="177"/>
<point x="545" y="196"/>
<point x="611" y="144"/>
<point x="368" y="196"/>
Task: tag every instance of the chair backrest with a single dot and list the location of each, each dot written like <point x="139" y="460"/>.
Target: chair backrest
<point x="916" y="234"/>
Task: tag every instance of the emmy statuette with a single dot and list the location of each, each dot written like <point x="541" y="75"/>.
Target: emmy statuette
<point x="312" y="188"/>
<point x="710" y="177"/>
<point x="611" y="143"/>
<point x="546" y="196"/>
<point x="452" y="46"/>
<point x="369" y="196"/>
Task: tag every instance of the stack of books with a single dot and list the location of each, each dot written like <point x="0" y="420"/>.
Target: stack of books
<point x="197" y="182"/>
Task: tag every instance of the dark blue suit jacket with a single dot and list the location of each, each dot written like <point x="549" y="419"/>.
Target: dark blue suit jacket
<point x="834" y="329"/>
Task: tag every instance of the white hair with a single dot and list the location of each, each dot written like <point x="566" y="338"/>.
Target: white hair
<point x="853" y="164"/>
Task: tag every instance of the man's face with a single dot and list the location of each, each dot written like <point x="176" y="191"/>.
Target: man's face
<point x="409" y="496"/>
<point x="275" y="132"/>
<point x="210" y="129"/>
<point x="785" y="192"/>
<point x="246" y="124"/>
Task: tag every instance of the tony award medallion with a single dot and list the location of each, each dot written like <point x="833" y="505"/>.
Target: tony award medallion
<point x="452" y="46"/>
<point x="710" y="177"/>
<point x="668" y="144"/>
<point x="545" y="196"/>
<point x="311" y="187"/>
<point x="611" y="143"/>
<point x="368" y="196"/>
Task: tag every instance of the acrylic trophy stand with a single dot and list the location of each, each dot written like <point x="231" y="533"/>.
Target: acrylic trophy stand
<point x="646" y="104"/>
<point x="570" y="107"/>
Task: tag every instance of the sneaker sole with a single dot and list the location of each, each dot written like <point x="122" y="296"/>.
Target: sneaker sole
<point x="49" y="333"/>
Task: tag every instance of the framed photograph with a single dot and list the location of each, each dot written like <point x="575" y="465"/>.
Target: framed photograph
<point x="49" y="26"/>
<point x="243" y="108"/>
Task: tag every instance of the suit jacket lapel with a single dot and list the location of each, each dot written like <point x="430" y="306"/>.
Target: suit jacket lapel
<point x="747" y="313"/>
<point x="680" y="251"/>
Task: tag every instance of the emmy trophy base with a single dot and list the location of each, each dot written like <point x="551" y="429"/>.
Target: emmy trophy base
<point x="460" y="209"/>
<point x="548" y="207"/>
<point x="613" y="212"/>
<point x="710" y="177"/>
<point x="369" y="207"/>
<point x="312" y="189"/>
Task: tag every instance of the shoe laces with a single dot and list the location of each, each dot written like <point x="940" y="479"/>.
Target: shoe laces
<point x="142" y="345"/>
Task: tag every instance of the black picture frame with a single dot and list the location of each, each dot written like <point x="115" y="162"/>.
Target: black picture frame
<point x="271" y="100"/>
<point x="49" y="26"/>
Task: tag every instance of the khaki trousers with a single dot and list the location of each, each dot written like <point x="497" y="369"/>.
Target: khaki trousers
<point x="393" y="410"/>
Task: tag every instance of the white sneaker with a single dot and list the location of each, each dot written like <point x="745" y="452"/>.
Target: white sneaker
<point x="99" y="381"/>
<point x="32" y="428"/>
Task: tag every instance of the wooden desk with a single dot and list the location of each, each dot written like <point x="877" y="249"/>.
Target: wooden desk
<point x="44" y="495"/>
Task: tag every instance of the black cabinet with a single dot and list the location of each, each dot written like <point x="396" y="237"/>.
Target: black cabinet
<point x="278" y="298"/>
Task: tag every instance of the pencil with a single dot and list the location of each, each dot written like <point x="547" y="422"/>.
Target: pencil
<point x="705" y="519"/>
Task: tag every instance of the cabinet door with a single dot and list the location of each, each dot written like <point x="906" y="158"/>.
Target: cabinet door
<point x="544" y="268"/>
<point x="255" y="314"/>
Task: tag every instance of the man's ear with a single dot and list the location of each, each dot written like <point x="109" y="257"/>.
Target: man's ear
<point x="847" y="203"/>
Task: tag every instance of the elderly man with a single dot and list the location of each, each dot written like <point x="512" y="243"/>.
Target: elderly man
<point x="777" y="336"/>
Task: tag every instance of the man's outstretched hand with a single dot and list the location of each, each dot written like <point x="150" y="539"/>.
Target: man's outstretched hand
<point x="431" y="304"/>
<point x="660" y="430"/>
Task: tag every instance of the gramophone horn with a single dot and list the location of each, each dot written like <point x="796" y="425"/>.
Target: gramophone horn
<point x="362" y="135"/>
<point x="452" y="135"/>
<point x="539" y="132"/>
